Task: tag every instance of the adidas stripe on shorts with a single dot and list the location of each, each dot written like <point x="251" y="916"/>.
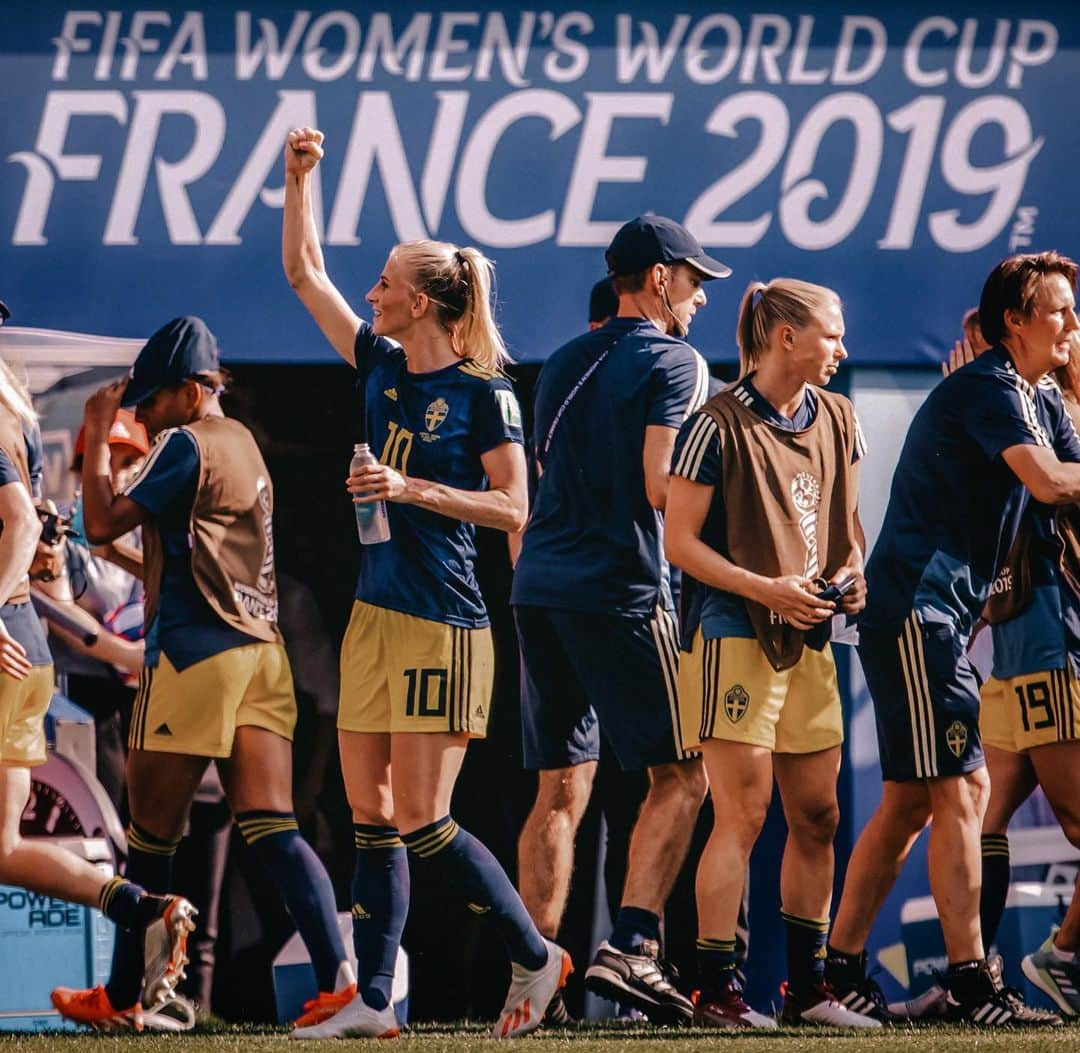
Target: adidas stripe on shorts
<point x="926" y="700"/>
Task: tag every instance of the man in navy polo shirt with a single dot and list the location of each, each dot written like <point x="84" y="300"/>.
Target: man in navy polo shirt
<point x="593" y="601"/>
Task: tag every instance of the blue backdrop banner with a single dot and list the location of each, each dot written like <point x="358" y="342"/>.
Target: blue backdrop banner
<point x="895" y="156"/>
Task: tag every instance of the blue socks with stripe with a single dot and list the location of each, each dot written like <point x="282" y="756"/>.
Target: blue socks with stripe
<point x="150" y="863"/>
<point x="458" y="861"/>
<point x="716" y="961"/>
<point x="806" y="952"/>
<point x="995" y="885"/>
<point x="380" y="904"/>
<point x="127" y="905"/>
<point x="304" y="885"/>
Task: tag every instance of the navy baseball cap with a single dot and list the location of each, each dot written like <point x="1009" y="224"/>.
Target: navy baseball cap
<point x="180" y="349"/>
<point x="603" y="303"/>
<point x="652" y="239"/>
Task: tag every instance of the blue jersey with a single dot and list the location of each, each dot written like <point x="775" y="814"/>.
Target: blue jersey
<point x="185" y="627"/>
<point x="1046" y="634"/>
<point x="432" y="426"/>
<point x="955" y="505"/>
<point x="594" y="543"/>
<point x="698" y="457"/>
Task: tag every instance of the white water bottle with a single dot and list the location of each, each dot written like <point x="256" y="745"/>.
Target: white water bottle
<point x="372" y="522"/>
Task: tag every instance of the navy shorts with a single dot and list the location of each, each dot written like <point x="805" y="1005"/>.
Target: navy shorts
<point x="584" y="673"/>
<point x="926" y="700"/>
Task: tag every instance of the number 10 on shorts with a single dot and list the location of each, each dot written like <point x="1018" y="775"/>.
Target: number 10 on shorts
<point x="419" y="701"/>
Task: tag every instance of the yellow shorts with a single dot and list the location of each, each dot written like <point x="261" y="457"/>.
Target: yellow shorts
<point x="1023" y="712"/>
<point x="402" y="673"/>
<point x="22" y="717"/>
<point x="728" y="690"/>
<point x="197" y="712"/>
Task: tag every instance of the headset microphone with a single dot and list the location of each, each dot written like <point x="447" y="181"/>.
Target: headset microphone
<point x="680" y="329"/>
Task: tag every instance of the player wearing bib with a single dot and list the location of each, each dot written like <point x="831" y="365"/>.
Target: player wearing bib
<point x="158" y="924"/>
<point x="593" y="605"/>
<point x="416" y="664"/>
<point x="216" y="682"/>
<point x="982" y="435"/>
<point x="762" y="513"/>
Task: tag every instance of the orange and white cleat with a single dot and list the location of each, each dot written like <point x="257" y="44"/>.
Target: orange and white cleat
<point x="324" y="1006"/>
<point x="92" y="1008"/>
<point x="531" y="991"/>
<point x="165" y="950"/>
<point x="356" y="1019"/>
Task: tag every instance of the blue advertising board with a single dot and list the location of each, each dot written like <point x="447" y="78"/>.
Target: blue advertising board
<point x="894" y="155"/>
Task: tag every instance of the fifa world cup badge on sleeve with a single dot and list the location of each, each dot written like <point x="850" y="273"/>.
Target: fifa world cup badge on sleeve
<point x="508" y="406"/>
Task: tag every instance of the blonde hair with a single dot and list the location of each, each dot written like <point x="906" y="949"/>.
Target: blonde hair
<point x="14" y="395"/>
<point x="783" y="301"/>
<point x="460" y="285"/>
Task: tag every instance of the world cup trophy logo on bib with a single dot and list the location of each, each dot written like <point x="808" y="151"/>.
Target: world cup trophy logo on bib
<point x="806" y="493"/>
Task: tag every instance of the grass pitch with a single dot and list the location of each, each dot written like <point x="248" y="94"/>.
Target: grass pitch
<point x="585" y="1038"/>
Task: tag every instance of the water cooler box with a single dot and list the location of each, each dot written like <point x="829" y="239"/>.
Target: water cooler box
<point x="1030" y="911"/>
<point x="47" y="943"/>
<point x="294" y="978"/>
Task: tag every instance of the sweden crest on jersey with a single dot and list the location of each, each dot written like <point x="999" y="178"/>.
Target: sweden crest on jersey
<point x="436" y="413"/>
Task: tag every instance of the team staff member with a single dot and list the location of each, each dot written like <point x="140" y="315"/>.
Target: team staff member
<point x="416" y="664"/>
<point x="757" y="694"/>
<point x="593" y="604"/>
<point x="158" y="923"/>
<point x="981" y="436"/>
<point x="216" y="683"/>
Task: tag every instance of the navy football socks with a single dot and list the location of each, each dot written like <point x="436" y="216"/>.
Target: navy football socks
<point x="995" y="885"/>
<point x="380" y="904"/>
<point x="304" y="885"/>
<point x="127" y="905"/>
<point x="716" y="963"/>
<point x="456" y="860"/>
<point x="634" y="925"/>
<point x="150" y="862"/>
<point x="805" y="951"/>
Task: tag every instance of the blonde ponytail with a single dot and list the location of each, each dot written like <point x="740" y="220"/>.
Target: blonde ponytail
<point x="15" y="396"/>
<point x="477" y="332"/>
<point x="460" y="284"/>
<point x="750" y="336"/>
<point x="783" y="301"/>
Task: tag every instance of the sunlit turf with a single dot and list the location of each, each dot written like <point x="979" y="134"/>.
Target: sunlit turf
<point x="581" y="1038"/>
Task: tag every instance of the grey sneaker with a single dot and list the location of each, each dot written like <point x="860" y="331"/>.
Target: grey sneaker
<point x="1058" y="980"/>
